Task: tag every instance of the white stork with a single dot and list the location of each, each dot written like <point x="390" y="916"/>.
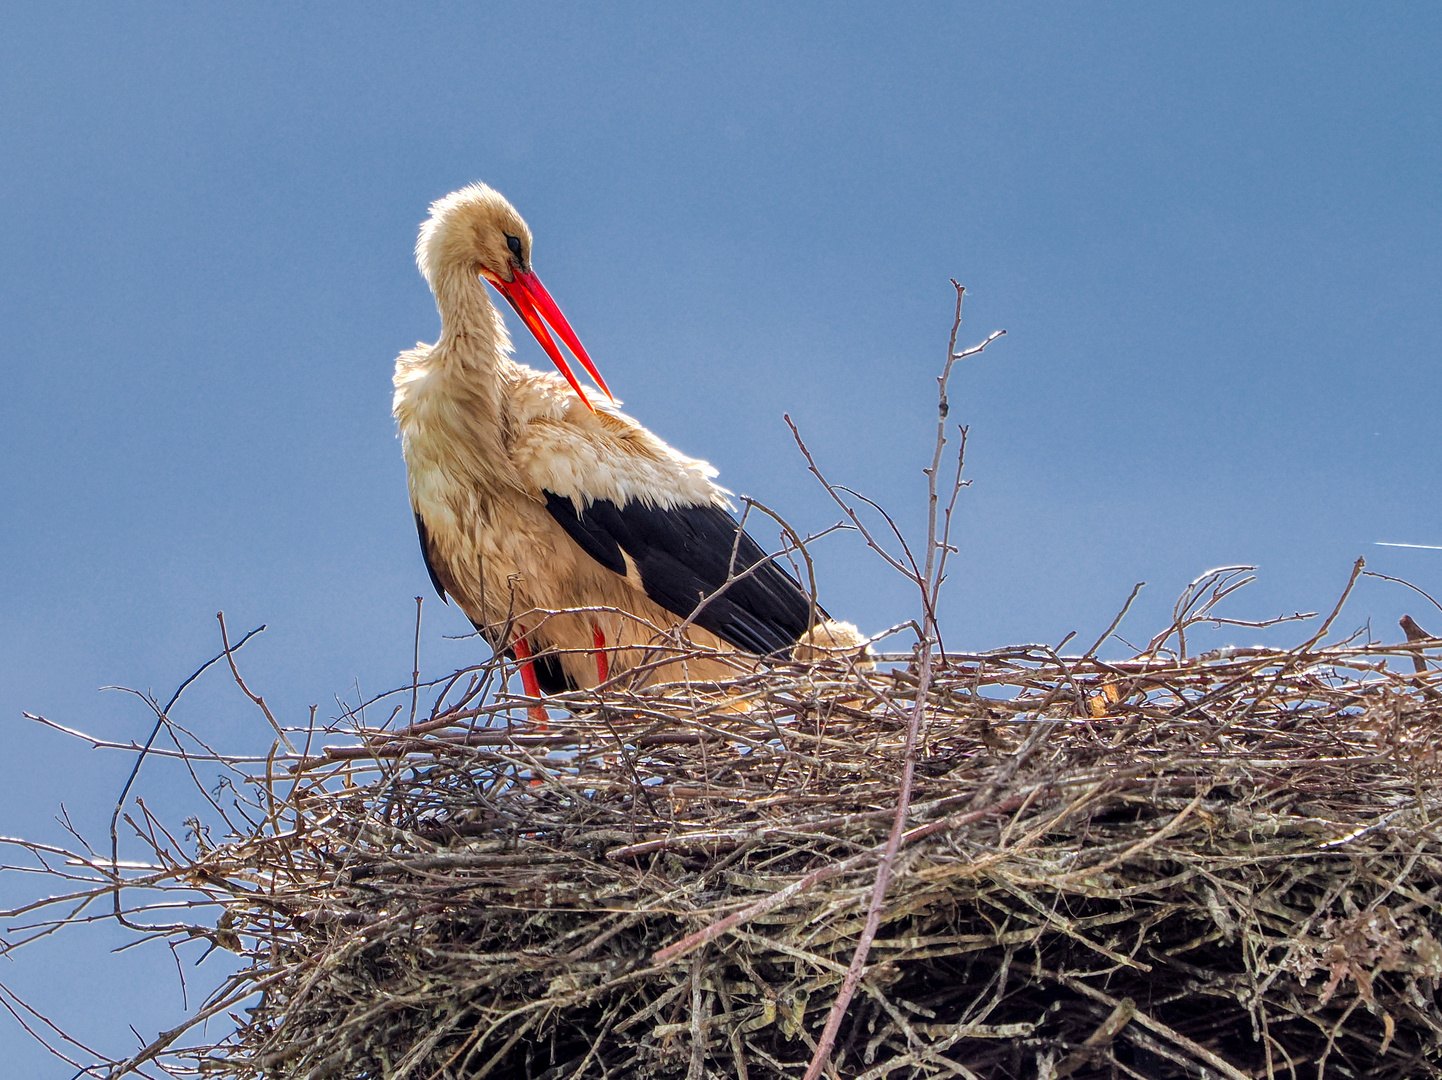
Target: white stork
<point x="530" y="500"/>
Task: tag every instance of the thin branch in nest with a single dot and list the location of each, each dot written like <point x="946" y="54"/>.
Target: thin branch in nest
<point x="240" y="682"/>
<point x="161" y="716"/>
<point x="930" y="580"/>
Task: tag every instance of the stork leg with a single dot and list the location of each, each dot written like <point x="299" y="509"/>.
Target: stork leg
<point x="603" y="666"/>
<point x="529" y="682"/>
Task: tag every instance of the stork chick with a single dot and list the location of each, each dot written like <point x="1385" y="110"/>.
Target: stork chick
<point x="531" y="500"/>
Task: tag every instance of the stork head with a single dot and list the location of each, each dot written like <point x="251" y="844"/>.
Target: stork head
<point x="477" y="233"/>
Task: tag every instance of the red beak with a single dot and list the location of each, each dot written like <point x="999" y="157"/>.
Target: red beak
<point x="533" y="304"/>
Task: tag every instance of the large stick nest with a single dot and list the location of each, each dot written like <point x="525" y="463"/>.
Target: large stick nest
<point x="1223" y="865"/>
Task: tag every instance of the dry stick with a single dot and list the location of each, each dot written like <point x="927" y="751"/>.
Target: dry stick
<point x="915" y="574"/>
<point x="1097" y="1042"/>
<point x="6" y="992"/>
<point x="945" y="542"/>
<point x="160" y="718"/>
<point x="846" y="508"/>
<point x="932" y="583"/>
<point x="1222" y="581"/>
<point x="930" y="587"/>
<point x="165" y="1038"/>
<point x="697" y="1067"/>
<point x="97" y="743"/>
<point x="799" y="546"/>
<point x="416" y="664"/>
<point x="1415" y="633"/>
<point x="1408" y="584"/>
<point x="1141" y="845"/>
<point x="1357" y="568"/>
<point x="1419" y="659"/>
<point x="1122" y="614"/>
<point x="260" y="701"/>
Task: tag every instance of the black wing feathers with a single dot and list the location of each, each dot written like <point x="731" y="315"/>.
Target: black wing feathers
<point x="598" y="530"/>
<point x="685" y="554"/>
<point x="425" y="537"/>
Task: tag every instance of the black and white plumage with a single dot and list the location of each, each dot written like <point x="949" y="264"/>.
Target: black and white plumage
<point x="686" y="554"/>
<point x="532" y="502"/>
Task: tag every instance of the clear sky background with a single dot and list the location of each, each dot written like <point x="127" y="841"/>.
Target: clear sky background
<point x="1211" y="230"/>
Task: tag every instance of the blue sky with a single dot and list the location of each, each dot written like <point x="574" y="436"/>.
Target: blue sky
<point x="1212" y="232"/>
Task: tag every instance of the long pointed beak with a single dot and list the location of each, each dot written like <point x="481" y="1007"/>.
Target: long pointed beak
<point x="533" y="304"/>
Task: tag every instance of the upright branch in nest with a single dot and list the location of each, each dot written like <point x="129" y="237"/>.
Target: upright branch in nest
<point x="928" y="578"/>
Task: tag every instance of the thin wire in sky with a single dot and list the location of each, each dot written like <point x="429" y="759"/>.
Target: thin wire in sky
<point x="1429" y="547"/>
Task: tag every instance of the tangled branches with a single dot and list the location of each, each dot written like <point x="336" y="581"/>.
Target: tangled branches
<point x="1163" y="867"/>
<point x="1015" y="864"/>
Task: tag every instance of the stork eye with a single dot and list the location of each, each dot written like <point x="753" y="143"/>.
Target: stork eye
<point x="514" y="243"/>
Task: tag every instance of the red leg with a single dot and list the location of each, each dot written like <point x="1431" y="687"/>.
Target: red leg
<point x="529" y="682"/>
<point x="603" y="666"/>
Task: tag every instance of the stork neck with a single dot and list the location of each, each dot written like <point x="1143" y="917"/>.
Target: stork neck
<point x="472" y="330"/>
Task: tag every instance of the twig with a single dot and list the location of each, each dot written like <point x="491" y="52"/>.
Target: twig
<point x="1408" y="584"/>
<point x="1097" y="1042"/>
<point x="235" y="671"/>
<point x="416" y="664"/>
<point x="1122" y="614"/>
<point x="930" y="582"/>
<point x="161" y="715"/>
<point x="1419" y="659"/>
<point x="1357" y="568"/>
